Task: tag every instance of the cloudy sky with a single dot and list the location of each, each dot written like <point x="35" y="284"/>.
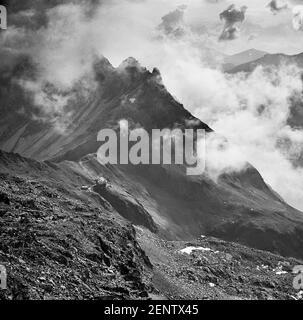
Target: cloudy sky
<point x="261" y="29"/>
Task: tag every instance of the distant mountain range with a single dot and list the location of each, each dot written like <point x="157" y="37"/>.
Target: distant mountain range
<point x="232" y="61"/>
<point x="268" y="60"/>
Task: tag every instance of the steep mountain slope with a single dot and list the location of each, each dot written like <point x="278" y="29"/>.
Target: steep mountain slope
<point x="238" y="207"/>
<point x="128" y="92"/>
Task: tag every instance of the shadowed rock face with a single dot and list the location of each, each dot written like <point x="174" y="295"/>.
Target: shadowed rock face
<point x="238" y="207"/>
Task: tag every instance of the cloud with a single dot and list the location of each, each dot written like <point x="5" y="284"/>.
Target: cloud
<point x="56" y="40"/>
<point x="277" y="6"/>
<point x="232" y="17"/>
<point x="251" y="112"/>
<point x="173" y="23"/>
<point x="252" y="37"/>
<point x="298" y="18"/>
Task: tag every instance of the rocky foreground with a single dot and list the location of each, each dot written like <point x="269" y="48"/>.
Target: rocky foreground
<point x="59" y="241"/>
<point x="212" y="269"/>
<point x="57" y="244"/>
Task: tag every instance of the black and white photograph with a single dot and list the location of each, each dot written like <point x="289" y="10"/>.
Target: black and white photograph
<point x="151" y="151"/>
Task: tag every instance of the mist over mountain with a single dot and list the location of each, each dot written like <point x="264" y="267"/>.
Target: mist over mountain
<point x="272" y="62"/>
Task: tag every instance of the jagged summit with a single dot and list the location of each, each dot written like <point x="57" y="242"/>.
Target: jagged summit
<point x="128" y="67"/>
<point x="156" y="75"/>
<point x="102" y="63"/>
<point x="131" y="65"/>
<point x="130" y="62"/>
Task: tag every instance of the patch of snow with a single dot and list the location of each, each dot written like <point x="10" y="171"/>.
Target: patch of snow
<point x="189" y="250"/>
<point x="279" y="270"/>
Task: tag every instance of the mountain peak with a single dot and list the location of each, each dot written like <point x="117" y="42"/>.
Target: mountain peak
<point x="156" y="75"/>
<point x="130" y="62"/>
<point x="102" y="68"/>
<point x="132" y="69"/>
